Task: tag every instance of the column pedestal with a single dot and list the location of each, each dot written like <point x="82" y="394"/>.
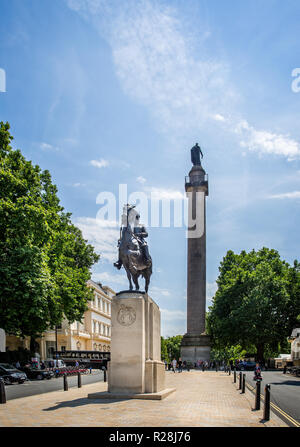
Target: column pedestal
<point x="195" y="347"/>
<point x="135" y="369"/>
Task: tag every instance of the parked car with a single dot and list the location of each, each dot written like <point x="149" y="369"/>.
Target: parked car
<point x="36" y="373"/>
<point x="10" y="374"/>
<point x="246" y="366"/>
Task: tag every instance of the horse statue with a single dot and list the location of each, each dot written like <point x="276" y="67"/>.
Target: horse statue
<point x="133" y="249"/>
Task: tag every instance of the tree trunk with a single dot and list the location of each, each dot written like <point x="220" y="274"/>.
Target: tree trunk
<point x="34" y="346"/>
<point x="260" y="347"/>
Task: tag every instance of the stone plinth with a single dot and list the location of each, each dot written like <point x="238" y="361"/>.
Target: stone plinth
<point x="135" y="369"/>
<point x="195" y="347"/>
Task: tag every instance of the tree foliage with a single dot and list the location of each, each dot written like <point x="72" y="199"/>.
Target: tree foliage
<point x="228" y="353"/>
<point x="170" y="347"/>
<point x="257" y="301"/>
<point x="44" y="260"/>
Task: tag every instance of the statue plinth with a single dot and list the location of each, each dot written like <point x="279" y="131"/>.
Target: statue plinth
<point x="195" y="347"/>
<point x="135" y="369"/>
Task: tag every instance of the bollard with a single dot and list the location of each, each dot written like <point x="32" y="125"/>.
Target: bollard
<point x="2" y="392"/>
<point x="234" y="375"/>
<point x="240" y="384"/>
<point x="244" y="383"/>
<point x="65" y="383"/>
<point x="79" y="379"/>
<point x="104" y="370"/>
<point x="229" y="370"/>
<point x="257" y="396"/>
<point x="267" y="403"/>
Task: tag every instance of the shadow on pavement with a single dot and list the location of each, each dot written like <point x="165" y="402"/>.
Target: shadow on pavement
<point x="287" y="382"/>
<point x="80" y="402"/>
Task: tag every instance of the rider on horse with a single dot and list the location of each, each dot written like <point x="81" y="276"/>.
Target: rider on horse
<point x="140" y="232"/>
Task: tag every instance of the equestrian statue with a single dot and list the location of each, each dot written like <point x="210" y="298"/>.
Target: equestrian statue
<point x="133" y="249"/>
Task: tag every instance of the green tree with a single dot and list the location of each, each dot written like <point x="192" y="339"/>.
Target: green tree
<point x="257" y="301"/>
<point x="228" y="353"/>
<point x="172" y="346"/>
<point x="44" y="260"/>
<point x="164" y="350"/>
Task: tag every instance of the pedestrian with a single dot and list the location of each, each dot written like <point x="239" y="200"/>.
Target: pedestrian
<point x="284" y="369"/>
<point x="257" y="372"/>
<point x="43" y="365"/>
<point x="174" y="364"/>
<point x="18" y="364"/>
<point x="90" y="369"/>
<point x="180" y="365"/>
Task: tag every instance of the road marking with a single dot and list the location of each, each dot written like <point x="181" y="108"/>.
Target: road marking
<point x="286" y="415"/>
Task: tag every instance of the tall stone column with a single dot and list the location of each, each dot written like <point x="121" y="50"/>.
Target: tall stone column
<point x="196" y="344"/>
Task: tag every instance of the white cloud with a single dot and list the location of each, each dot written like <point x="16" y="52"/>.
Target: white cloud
<point x="109" y="279"/>
<point x="164" y="193"/>
<point x="285" y="195"/>
<point x="141" y="180"/>
<point x="266" y="142"/>
<point x="48" y="147"/>
<point x="171" y="315"/>
<point x="160" y="291"/>
<point x="218" y="117"/>
<point x="103" y="235"/>
<point x="211" y="288"/>
<point x="154" y="62"/>
<point x="153" y="54"/>
<point x="99" y="163"/>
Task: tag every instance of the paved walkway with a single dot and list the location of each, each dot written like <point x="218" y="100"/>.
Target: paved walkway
<point x="202" y="399"/>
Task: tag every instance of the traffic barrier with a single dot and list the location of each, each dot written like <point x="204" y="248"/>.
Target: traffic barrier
<point x="66" y="387"/>
<point x="267" y="402"/>
<point x="244" y="383"/>
<point x="2" y="392"/>
<point x="257" y="396"/>
<point x="79" y="379"/>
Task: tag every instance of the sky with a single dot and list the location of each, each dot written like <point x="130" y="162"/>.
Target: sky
<point x="105" y="93"/>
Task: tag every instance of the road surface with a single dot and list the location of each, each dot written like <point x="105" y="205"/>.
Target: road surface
<point x="285" y="392"/>
<point x="31" y="387"/>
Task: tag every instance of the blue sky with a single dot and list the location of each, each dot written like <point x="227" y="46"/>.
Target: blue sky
<point x="104" y="93"/>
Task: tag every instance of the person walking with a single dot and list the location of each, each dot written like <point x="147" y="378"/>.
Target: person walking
<point x="180" y="365"/>
<point x="174" y="364"/>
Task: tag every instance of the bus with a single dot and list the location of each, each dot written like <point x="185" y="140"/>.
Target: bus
<point x="87" y="359"/>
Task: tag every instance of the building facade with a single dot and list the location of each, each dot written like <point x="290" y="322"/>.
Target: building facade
<point x="92" y="334"/>
<point x="295" y="346"/>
